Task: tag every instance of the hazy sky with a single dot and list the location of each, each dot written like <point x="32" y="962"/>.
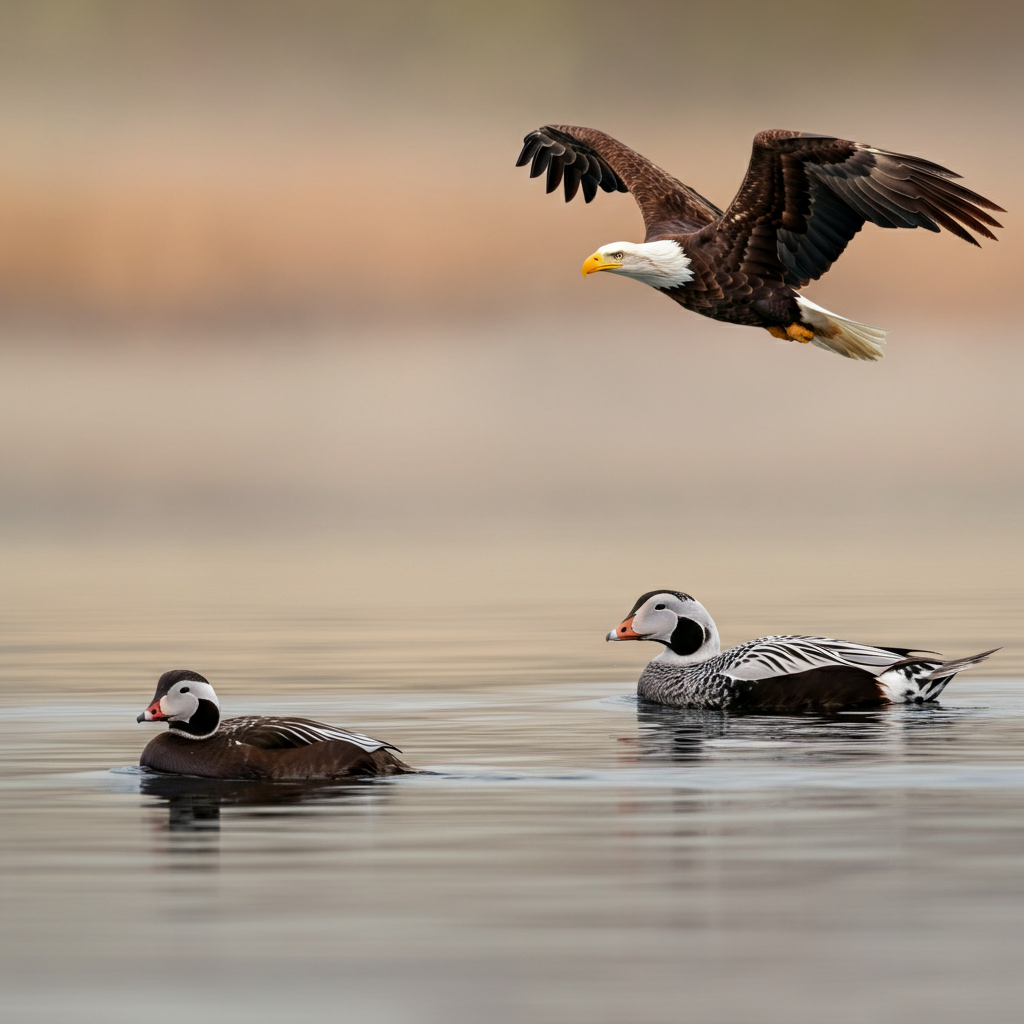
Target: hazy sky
<point x="263" y="258"/>
<point x="195" y="160"/>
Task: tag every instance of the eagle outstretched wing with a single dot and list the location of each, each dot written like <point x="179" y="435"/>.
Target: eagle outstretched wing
<point x="588" y="159"/>
<point x="805" y="196"/>
<point x="271" y="733"/>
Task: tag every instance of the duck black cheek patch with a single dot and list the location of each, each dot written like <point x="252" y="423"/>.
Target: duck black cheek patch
<point x="687" y="637"/>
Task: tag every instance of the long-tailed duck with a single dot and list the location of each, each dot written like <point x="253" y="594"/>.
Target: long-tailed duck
<point x="782" y="672"/>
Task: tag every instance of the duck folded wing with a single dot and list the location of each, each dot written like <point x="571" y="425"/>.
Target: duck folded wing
<point x="282" y="733"/>
<point x="791" y="655"/>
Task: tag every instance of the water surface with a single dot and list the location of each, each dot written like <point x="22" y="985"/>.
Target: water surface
<point x="572" y="855"/>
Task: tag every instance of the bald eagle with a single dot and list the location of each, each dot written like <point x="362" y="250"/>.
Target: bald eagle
<point x="802" y="200"/>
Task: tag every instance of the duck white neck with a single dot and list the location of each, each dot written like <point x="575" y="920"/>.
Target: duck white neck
<point x="670" y="657"/>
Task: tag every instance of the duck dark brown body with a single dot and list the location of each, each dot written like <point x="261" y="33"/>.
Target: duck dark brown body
<point x="199" y="742"/>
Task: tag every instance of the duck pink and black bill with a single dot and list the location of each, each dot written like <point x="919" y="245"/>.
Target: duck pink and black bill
<point x="152" y="713"/>
<point x="624" y="631"/>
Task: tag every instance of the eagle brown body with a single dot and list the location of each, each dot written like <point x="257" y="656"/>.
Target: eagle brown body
<point x="803" y="199"/>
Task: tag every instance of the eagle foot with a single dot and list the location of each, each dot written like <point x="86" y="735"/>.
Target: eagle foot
<point x="778" y="332"/>
<point x="795" y="332"/>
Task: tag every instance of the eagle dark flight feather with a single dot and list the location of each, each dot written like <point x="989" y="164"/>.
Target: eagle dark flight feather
<point x="814" y="193"/>
<point x="587" y="157"/>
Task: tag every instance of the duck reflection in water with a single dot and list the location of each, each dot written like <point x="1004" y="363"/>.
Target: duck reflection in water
<point x="700" y="735"/>
<point x="194" y="804"/>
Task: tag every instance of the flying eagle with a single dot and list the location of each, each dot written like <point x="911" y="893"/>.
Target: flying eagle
<point x="802" y="200"/>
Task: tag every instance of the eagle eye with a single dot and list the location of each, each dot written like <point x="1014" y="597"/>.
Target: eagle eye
<point x="616" y="255"/>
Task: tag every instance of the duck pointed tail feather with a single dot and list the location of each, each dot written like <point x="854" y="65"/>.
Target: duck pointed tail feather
<point x="948" y="668"/>
<point x="844" y="337"/>
<point x="922" y="679"/>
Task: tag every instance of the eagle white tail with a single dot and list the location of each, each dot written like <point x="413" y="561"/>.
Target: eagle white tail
<point x="837" y="334"/>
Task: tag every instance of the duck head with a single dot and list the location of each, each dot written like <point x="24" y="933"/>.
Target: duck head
<point x="675" y="620"/>
<point x="186" y="701"/>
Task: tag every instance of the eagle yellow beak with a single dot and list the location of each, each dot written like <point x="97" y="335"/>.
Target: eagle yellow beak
<point x="592" y="264"/>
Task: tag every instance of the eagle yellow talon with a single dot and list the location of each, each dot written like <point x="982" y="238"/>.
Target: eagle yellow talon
<point x="794" y="332"/>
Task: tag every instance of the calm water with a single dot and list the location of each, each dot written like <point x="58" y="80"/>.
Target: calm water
<point x="573" y="856"/>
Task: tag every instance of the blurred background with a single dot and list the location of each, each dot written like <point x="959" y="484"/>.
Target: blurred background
<point x="282" y="326"/>
<point x="301" y="387"/>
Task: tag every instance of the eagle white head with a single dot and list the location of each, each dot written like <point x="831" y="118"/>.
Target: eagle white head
<point x="660" y="264"/>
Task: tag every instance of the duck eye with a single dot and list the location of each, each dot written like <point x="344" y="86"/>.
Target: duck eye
<point x="658" y="607"/>
<point x="184" y="689"/>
